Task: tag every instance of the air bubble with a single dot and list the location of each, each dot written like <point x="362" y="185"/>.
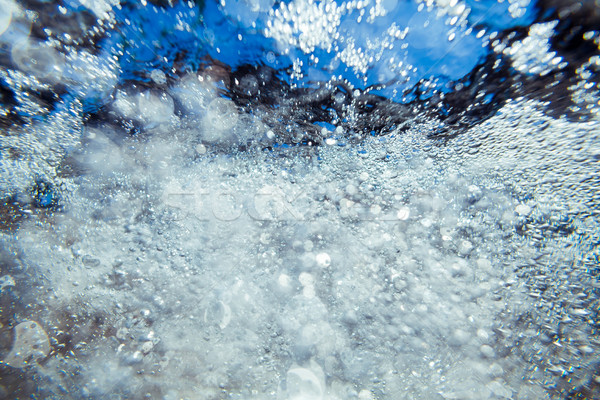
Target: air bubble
<point x="323" y="260"/>
<point x="523" y="209"/>
<point x="305" y="383"/>
<point x="201" y="149"/>
<point x="6" y="281"/>
<point x="403" y="213"/>
<point x="31" y="343"/>
<point x="7" y="7"/>
<point x="220" y="118"/>
<point x="38" y="59"/>
<point x="487" y="351"/>
<point x="247" y="86"/>
<point x="158" y="77"/>
<point x="218" y="314"/>
<point x="156" y="107"/>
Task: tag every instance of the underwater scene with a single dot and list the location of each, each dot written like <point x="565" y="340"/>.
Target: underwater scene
<point x="300" y="199"/>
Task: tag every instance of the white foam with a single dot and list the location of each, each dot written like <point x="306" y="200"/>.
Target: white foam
<point x="388" y="267"/>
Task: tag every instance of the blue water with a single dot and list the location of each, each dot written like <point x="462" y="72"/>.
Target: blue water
<point x="151" y="37"/>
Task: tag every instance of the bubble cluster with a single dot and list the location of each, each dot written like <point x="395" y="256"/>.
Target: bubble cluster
<point x="532" y="55"/>
<point x="306" y="24"/>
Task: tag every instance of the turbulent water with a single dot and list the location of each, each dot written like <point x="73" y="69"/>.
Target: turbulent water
<point x="300" y="200"/>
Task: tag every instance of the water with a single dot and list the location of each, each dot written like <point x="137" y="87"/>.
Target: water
<point x="299" y="200"/>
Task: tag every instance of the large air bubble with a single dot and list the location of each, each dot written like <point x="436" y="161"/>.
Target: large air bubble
<point x="6" y="10"/>
<point x="38" y="59"/>
<point x="155" y="107"/>
<point x="30" y="344"/>
<point x="220" y="118"/>
<point x="303" y="383"/>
